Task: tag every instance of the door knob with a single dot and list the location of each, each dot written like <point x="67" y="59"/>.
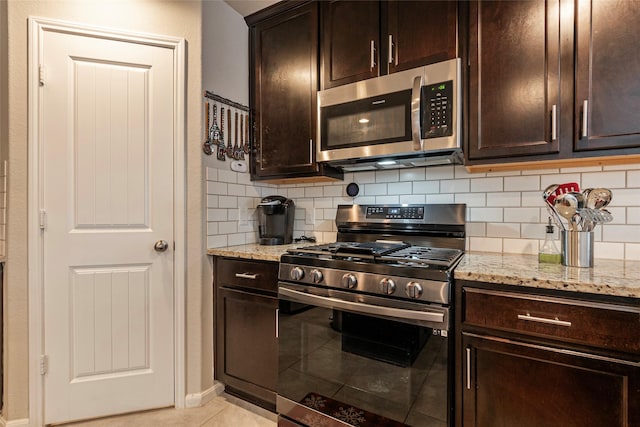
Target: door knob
<point x="161" y="246"/>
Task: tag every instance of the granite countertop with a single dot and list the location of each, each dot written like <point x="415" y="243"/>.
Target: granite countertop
<point x="606" y="277"/>
<point x="256" y="251"/>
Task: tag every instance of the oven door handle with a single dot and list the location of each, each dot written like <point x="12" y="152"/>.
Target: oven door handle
<point x="357" y="307"/>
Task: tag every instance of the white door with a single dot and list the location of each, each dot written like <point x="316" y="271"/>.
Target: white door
<point x="107" y="167"/>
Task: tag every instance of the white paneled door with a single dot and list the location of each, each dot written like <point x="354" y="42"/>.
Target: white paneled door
<point x="107" y="177"/>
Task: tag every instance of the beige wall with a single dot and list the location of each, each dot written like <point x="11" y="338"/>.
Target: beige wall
<point x="174" y="18"/>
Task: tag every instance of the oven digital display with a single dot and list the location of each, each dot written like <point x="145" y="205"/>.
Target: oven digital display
<point x="387" y="212"/>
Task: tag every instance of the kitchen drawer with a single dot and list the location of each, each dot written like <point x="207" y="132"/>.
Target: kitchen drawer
<point x="247" y="274"/>
<point x="607" y="326"/>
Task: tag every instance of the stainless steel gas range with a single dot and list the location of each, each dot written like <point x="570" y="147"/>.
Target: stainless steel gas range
<point x="366" y="343"/>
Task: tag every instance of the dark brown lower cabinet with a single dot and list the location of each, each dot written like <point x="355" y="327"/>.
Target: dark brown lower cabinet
<point x="246" y="353"/>
<point x="517" y="384"/>
<point x="531" y="357"/>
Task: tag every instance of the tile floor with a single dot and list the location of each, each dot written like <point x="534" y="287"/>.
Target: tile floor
<point x="222" y="411"/>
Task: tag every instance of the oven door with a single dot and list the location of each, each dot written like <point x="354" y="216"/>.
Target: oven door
<point x="360" y="360"/>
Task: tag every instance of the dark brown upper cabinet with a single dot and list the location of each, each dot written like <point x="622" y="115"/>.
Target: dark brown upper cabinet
<point x="607" y="75"/>
<point x="514" y="81"/>
<point x="283" y="85"/>
<point x="365" y="39"/>
<point x="553" y="81"/>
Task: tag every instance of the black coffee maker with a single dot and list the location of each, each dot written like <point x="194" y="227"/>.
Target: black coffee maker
<point x="275" y="220"/>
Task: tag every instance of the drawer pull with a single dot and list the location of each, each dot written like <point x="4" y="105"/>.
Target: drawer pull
<point x="246" y="276"/>
<point x="555" y="321"/>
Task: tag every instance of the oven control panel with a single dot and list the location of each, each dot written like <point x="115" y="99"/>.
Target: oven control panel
<point x="395" y="212"/>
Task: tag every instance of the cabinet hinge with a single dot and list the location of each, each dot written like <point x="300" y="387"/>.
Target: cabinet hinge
<point x="44" y="364"/>
<point x="43" y="219"/>
<point x="41" y="75"/>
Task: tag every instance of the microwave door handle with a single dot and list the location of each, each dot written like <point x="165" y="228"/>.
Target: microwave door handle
<point x="415" y="114"/>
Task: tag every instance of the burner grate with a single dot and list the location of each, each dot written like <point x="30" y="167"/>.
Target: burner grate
<point x="413" y="255"/>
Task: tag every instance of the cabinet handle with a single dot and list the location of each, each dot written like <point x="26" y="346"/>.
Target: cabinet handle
<point x="585" y="115"/>
<point x="246" y="276"/>
<point x="373" y="54"/>
<point x="277" y="322"/>
<point x="391" y="50"/>
<point x="555" y="321"/>
<point x="311" y="151"/>
<point x="554" y="124"/>
<point x="468" y="368"/>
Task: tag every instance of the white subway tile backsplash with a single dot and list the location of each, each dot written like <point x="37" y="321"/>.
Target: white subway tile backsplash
<point x="387" y="200"/>
<point x="413" y="199"/>
<point x="413" y="174"/>
<point x="485" y="214"/>
<point x="399" y="188"/>
<point x="632" y="251"/>
<point x="387" y="175"/>
<point x="522" y="183"/>
<point x="522" y="215"/>
<point x="503" y="229"/>
<point x="313" y="192"/>
<point x="520" y="246"/>
<point x="505" y="210"/>
<point x="633" y="179"/>
<point x="503" y="199"/>
<point x="426" y="187"/>
<point x="485" y="244"/>
<point x="603" y="179"/>
<point x="375" y="189"/>
<point x="454" y="186"/>
<point x="487" y="184"/>
<point x="608" y="250"/>
<point x="471" y="199"/>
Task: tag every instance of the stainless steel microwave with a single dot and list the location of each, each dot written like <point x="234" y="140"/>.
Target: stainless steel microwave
<point x="405" y="119"/>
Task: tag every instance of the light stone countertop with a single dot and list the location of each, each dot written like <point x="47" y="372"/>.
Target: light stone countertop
<point x="257" y="251"/>
<point x="606" y="277"/>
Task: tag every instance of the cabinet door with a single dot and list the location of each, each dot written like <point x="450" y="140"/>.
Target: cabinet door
<point x="419" y="33"/>
<point x="246" y="343"/>
<point x="350" y="41"/>
<point x="284" y="93"/>
<point x="516" y="384"/>
<point x="514" y="85"/>
<point x="607" y="70"/>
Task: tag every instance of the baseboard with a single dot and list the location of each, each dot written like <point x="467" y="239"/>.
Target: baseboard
<point x="24" y="422"/>
<point x="198" y="399"/>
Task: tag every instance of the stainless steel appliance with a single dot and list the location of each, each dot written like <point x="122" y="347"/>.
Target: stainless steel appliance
<point x="275" y="220"/>
<point x="405" y="119"/>
<point x="372" y="348"/>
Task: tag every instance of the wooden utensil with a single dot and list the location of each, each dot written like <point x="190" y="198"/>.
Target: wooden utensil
<point x="241" y="146"/>
<point x="230" y="139"/>
<point x="206" y="145"/>
<point x="221" y="145"/>
<point x="246" y="131"/>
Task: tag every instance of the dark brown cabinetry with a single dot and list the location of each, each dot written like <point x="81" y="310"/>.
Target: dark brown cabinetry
<point x="531" y="359"/>
<point x="283" y="86"/>
<point x="528" y="83"/>
<point x="607" y="70"/>
<point x="514" y="81"/>
<point x="364" y="39"/>
<point x="246" y="353"/>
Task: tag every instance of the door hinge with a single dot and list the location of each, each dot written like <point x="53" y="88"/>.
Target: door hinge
<point x="41" y="75"/>
<point x="43" y="219"/>
<point x="44" y="364"/>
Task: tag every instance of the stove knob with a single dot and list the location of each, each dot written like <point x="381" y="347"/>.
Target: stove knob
<point x="413" y="290"/>
<point x="316" y="276"/>
<point x="296" y="273"/>
<point x="349" y="281"/>
<point x="388" y="286"/>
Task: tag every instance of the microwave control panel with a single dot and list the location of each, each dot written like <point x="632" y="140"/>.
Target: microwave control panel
<point x="437" y="110"/>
